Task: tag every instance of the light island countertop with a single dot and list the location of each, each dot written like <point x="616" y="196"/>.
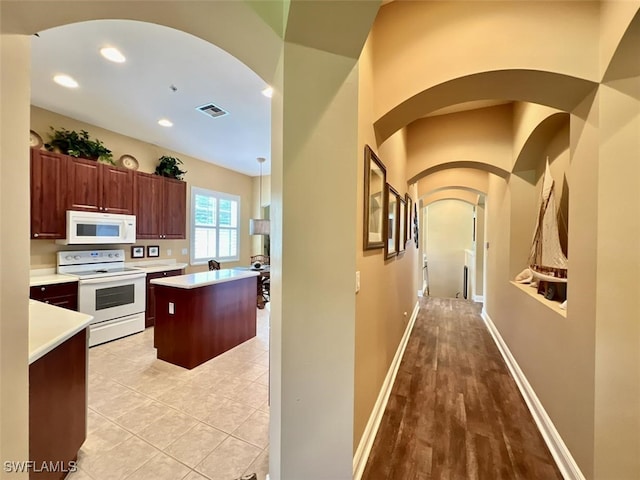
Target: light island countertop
<point x="159" y="267"/>
<point x="50" y="326"/>
<point x="202" y="279"/>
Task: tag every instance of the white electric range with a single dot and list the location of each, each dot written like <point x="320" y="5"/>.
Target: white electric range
<point x="113" y="294"/>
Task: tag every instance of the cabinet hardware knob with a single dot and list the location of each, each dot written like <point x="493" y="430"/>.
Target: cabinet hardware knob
<point x="42" y="289"/>
<point x="106" y="209"/>
<point x="35" y="234"/>
<point x="46" y="301"/>
<point x="164" y="273"/>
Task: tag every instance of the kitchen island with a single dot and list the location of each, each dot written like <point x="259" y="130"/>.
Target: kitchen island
<point x="57" y="388"/>
<point x="202" y="315"/>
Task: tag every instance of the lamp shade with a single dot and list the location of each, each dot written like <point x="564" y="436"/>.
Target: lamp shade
<point x="259" y="227"/>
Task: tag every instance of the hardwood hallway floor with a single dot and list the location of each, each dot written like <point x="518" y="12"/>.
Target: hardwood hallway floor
<point x="454" y="410"/>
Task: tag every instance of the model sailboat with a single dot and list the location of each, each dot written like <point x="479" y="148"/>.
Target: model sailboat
<point x="547" y="261"/>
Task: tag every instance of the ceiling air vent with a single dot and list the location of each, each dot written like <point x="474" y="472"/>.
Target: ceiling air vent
<point x="212" y="110"/>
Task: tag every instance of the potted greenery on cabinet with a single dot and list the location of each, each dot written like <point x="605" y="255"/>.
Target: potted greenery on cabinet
<point x="70" y="142"/>
<point x="169" y="167"/>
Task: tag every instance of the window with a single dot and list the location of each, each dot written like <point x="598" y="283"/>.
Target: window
<point x="214" y="226"/>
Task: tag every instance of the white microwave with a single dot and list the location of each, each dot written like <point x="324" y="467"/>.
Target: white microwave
<point x="87" y="228"/>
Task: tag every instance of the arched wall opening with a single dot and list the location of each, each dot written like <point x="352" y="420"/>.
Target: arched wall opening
<point x="446" y="266"/>
<point x="297" y="129"/>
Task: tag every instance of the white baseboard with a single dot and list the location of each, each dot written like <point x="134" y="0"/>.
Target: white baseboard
<point x="478" y="298"/>
<point x="561" y="454"/>
<point x="369" y="435"/>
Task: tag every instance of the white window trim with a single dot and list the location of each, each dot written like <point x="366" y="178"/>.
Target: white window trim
<point x="219" y="195"/>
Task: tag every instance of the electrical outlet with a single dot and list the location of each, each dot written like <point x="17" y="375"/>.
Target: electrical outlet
<point x="168" y="252"/>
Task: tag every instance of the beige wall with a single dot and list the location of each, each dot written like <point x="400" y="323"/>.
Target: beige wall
<point x="448" y="232"/>
<point x="199" y="174"/>
<point x="388" y="288"/>
<point x="14" y="256"/>
<point x="463" y="71"/>
<point x="481" y="136"/>
<point x="617" y="374"/>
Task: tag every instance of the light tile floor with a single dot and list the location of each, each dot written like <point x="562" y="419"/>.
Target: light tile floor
<point x="149" y="419"/>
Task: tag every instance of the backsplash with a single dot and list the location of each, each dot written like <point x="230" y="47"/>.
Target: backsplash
<point x="43" y="252"/>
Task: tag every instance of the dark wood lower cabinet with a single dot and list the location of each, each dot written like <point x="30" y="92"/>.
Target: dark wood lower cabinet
<point x="58" y="408"/>
<point x="150" y="312"/>
<point x="63" y="295"/>
<point x="204" y="322"/>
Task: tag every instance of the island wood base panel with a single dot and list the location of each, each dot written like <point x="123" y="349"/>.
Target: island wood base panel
<point x="58" y="408"/>
<point x="206" y="322"/>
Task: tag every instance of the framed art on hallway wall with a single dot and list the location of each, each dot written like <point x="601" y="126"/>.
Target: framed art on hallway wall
<point x="392" y="210"/>
<point x="375" y="179"/>
<point x="402" y="224"/>
<point x="409" y="217"/>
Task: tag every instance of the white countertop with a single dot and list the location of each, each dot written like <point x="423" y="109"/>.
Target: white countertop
<point x="160" y="267"/>
<point x="48" y="276"/>
<point x="202" y="279"/>
<point x="49" y="326"/>
<point x="38" y="280"/>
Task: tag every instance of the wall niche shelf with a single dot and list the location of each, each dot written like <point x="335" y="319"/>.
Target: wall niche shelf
<point x="533" y="293"/>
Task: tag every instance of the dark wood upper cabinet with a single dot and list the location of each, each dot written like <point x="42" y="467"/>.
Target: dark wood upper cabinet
<point x="160" y="207"/>
<point x="98" y="187"/>
<point x="48" y="194"/>
<point x="175" y="209"/>
<point x="117" y="189"/>
<point x="60" y="183"/>
<point x="148" y="205"/>
<point x="83" y="191"/>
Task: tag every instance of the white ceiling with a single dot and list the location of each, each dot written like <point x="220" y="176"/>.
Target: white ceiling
<point x="130" y="98"/>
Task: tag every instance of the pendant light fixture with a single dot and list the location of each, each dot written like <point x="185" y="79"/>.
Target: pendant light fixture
<point x="258" y="226"/>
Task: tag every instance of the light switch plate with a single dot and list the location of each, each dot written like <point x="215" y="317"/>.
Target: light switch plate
<point x="168" y="252"/>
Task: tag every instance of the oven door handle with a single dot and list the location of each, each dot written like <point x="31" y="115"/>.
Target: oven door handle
<point x="115" y="278"/>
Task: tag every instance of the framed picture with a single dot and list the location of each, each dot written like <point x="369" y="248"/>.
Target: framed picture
<point x="153" y="251"/>
<point x="409" y="217"/>
<point x="375" y="179"/>
<point x="392" y="205"/>
<point x="402" y="224"/>
<point x="137" y="251"/>
<point x="416" y="225"/>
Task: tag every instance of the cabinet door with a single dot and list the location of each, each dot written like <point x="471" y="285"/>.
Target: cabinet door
<point x="63" y="295"/>
<point x="48" y="201"/>
<point x="83" y="187"/>
<point x="148" y="191"/>
<point x="175" y="209"/>
<point x="117" y="189"/>
<point x="150" y="312"/>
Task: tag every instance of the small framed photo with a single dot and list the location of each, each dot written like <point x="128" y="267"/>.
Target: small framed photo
<point x="137" y="251"/>
<point x="153" y="251"/>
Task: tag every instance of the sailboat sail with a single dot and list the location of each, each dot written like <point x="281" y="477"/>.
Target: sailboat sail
<point x="546" y="260"/>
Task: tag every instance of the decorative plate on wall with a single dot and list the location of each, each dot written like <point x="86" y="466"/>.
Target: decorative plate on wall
<point x="129" y="161"/>
<point x="35" y="140"/>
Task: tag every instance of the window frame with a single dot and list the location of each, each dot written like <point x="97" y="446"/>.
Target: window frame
<point x="218" y="196"/>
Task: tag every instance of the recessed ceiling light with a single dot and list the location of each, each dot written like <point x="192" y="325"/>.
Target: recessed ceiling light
<point x="65" y="81"/>
<point x="165" y="123"/>
<point x="112" y="54"/>
<point x="268" y="92"/>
